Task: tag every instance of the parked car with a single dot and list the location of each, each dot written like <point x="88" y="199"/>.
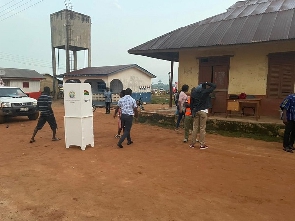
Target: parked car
<point x="14" y="102"/>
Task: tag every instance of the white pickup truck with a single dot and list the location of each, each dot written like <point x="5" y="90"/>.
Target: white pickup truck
<point x="14" y="102"/>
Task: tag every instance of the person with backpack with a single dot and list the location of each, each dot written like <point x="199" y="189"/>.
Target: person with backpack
<point x="200" y="103"/>
<point x="181" y="109"/>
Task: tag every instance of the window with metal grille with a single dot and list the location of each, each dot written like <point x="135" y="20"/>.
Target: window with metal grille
<point x="26" y="84"/>
<point x="281" y="73"/>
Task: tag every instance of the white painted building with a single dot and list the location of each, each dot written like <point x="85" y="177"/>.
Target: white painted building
<point x="27" y="80"/>
<point x="116" y="78"/>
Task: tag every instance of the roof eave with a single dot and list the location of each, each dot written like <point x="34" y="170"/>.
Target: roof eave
<point x="84" y="75"/>
<point x="173" y="55"/>
<point x="168" y="55"/>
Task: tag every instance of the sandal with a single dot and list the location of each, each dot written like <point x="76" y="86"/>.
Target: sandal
<point x="32" y="140"/>
<point x="55" y="139"/>
<point x="192" y="146"/>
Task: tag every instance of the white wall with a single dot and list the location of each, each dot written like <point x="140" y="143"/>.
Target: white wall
<point x="34" y="86"/>
<point x="133" y="79"/>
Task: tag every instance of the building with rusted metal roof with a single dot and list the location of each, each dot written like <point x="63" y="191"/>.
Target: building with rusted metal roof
<point x="249" y="49"/>
<point x="27" y="80"/>
<point x="116" y="78"/>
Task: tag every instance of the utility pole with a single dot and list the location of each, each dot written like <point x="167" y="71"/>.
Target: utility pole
<point x="68" y="27"/>
<point x="67" y="43"/>
<point x="54" y="94"/>
<point x="170" y="84"/>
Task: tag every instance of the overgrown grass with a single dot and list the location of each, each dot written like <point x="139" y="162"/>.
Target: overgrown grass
<point x="160" y="99"/>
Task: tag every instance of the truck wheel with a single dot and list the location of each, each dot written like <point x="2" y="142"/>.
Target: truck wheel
<point x="2" y="119"/>
<point x="34" y="116"/>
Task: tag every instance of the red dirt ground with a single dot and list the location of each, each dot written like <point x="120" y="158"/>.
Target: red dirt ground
<point x="156" y="178"/>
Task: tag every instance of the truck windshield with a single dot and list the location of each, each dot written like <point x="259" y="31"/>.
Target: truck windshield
<point x="12" y="92"/>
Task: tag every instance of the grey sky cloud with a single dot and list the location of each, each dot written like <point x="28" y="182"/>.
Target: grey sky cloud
<point x="114" y="31"/>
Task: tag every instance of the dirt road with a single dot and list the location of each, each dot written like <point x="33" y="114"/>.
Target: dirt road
<point x="156" y="178"/>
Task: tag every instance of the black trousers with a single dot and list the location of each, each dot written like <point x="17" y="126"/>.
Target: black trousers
<point x="108" y="107"/>
<point x="289" y="134"/>
<point x="127" y="122"/>
<point x="48" y="118"/>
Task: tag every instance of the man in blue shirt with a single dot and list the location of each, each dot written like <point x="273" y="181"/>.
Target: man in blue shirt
<point x="108" y="100"/>
<point x="129" y="110"/>
<point x="288" y="108"/>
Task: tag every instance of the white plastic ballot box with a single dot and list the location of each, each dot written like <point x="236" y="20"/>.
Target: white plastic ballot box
<point x="78" y="120"/>
<point x="78" y="100"/>
<point x="79" y="131"/>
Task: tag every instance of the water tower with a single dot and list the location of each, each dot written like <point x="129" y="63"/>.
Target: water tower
<point x="70" y="31"/>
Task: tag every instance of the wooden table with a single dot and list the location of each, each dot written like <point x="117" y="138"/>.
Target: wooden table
<point x="237" y="105"/>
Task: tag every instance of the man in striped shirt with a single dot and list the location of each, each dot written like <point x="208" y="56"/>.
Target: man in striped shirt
<point x="46" y="114"/>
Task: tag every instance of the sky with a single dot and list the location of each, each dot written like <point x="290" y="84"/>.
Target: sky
<point x="117" y="26"/>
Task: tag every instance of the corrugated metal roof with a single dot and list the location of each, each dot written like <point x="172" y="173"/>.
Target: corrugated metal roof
<point x="243" y="23"/>
<point x="19" y="73"/>
<point x="106" y="70"/>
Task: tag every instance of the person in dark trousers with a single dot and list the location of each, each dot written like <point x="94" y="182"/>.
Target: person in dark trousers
<point x="46" y="115"/>
<point x="288" y="108"/>
<point x="180" y="102"/>
<point x="129" y="110"/>
<point x="200" y="103"/>
<point x="108" y="100"/>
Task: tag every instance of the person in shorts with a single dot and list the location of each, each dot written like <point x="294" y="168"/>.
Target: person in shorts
<point x="46" y="115"/>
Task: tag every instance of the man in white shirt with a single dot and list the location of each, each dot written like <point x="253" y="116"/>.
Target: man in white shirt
<point x="129" y="110"/>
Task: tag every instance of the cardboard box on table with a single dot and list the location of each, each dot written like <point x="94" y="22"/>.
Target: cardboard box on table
<point x="78" y="118"/>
